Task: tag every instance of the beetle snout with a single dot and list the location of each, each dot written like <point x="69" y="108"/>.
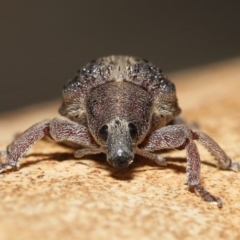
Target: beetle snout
<point x="121" y="160"/>
<point x="119" y="144"/>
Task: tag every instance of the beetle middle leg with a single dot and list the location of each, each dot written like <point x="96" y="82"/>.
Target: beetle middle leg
<point x="57" y="129"/>
<point x="181" y="137"/>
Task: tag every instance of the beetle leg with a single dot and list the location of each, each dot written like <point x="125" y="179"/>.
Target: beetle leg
<point x="224" y="161"/>
<point x="157" y="159"/>
<point x="16" y="150"/>
<point x="181" y="137"/>
<point x="57" y="129"/>
<point x="85" y="151"/>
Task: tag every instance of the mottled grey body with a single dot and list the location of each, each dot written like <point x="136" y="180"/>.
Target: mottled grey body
<point x="122" y="106"/>
<point x="123" y="90"/>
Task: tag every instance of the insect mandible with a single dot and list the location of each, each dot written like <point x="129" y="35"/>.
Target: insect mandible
<point x="122" y="106"/>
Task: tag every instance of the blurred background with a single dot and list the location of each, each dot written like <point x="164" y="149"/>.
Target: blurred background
<point x="43" y="43"/>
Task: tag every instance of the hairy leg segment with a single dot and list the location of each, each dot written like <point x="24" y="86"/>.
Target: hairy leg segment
<point x="58" y="130"/>
<point x="182" y="137"/>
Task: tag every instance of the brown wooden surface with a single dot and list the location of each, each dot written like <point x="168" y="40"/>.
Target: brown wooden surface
<point x="54" y="196"/>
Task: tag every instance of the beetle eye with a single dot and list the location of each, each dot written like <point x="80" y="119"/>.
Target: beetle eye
<point x="104" y="132"/>
<point x="132" y="130"/>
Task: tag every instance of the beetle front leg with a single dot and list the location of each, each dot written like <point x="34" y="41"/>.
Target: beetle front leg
<point x="180" y="137"/>
<point x="157" y="159"/>
<point x="16" y="150"/>
<point x="57" y="129"/>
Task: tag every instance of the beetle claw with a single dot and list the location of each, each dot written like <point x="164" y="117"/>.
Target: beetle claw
<point x="235" y="166"/>
<point x="206" y="196"/>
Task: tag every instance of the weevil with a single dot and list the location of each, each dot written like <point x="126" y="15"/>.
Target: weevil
<point x="122" y="106"/>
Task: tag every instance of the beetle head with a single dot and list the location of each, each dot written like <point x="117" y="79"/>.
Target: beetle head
<point x="119" y="136"/>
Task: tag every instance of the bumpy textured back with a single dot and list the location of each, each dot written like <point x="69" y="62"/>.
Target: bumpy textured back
<point x="118" y="69"/>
